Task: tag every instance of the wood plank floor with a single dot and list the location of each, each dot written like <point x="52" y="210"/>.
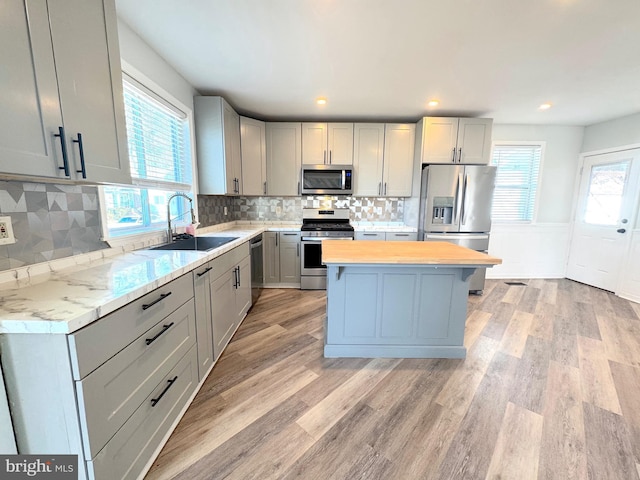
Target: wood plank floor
<point x="550" y="389"/>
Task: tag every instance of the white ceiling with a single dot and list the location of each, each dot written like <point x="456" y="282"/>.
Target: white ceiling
<point x="384" y="59"/>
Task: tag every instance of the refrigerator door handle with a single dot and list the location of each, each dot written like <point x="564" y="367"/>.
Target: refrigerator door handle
<point x="464" y="200"/>
<point x="457" y="202"/>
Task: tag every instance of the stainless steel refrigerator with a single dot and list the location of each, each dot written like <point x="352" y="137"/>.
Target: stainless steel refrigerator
<point x="455" y="206"/>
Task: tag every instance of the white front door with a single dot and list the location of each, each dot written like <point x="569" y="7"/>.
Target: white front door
<point x="604" y="217"/>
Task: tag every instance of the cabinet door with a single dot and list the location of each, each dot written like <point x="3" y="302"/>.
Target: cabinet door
<point x="204" y="335"/>
<point x="271" y="255"/>
<point x="243" y="290"/>
<point x="314" y="143"/>
<point x="439" y="140"/>
<point x="254" y="156"/>
<point x="474" y="140"/>
<point x="398" y="159"/>
<point x="290" y="257"/>
<point x="29" y="99"/>
<point x="223" y="309"/>
<point x="368" y="154"/>
<point x="370" y="236"/>
<point x="232" y="158"/>
<point x="340" y="143"/>
<point x="87" y="57"/>
<point x="284" y="155"/>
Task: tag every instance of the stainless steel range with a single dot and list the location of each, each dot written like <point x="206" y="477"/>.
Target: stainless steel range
<point x="318" y="225"/>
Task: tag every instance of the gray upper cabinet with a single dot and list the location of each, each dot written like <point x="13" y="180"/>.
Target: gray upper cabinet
<point x="63" y="112"/>
<point x="253" y="149"/>
<point x="454" y="140"/>
<point x="218" y="147"/>
<point x="383" y="159"/>
<point x="284" y="158"/>
<point x="327" y="143"/>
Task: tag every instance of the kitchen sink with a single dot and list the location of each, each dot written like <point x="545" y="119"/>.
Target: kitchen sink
<point x="196" y="243"/>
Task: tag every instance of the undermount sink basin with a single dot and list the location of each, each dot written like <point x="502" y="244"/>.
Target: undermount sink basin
<point x="196" y="243"/>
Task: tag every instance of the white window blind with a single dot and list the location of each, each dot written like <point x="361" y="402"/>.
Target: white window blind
<point x="516" y="182"/>
<point x="158" y="136"/>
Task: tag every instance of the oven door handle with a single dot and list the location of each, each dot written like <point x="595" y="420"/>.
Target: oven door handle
<point x="319" y="239"/>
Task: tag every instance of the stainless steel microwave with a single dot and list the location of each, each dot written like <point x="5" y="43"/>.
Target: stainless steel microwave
<point x="327" y="179"/>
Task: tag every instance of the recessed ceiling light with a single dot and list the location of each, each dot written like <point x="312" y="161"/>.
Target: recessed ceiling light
<point x="544" y="106"/>
<point x="433" y="103"/>
<point x="321" y="101"/>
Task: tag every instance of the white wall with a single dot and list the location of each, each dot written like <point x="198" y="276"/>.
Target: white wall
<point x="135" y="52"/>
<point x="539" y="249"/>
<point x="620" y="132"/>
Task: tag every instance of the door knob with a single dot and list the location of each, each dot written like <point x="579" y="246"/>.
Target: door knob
<point x="621" y="230"/>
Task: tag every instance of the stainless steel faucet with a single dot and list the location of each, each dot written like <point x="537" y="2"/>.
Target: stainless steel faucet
<point x="193" y="216"/>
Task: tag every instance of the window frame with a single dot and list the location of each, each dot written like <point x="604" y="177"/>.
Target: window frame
<point x="536" y="202"/>
<point x="144" y="233"/>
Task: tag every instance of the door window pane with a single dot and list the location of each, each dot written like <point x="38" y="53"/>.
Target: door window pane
<point x="606" y="188"/>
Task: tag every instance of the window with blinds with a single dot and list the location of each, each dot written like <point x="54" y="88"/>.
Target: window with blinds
<point x="514" y="198"/>
<point x="158" y="136"/>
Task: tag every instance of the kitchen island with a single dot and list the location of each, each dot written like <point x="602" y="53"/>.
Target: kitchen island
<point x="398" y="299"/>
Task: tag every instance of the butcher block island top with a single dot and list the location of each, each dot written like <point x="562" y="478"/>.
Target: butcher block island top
<point x="354" y="252"/>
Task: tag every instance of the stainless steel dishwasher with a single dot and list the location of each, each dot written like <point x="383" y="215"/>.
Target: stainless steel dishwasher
<point x="257" y="275"/>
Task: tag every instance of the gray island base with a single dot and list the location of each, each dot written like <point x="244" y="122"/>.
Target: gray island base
<point x="398" y="299"/>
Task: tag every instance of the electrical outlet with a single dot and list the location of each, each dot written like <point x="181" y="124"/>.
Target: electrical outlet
<point x="6" y="231"/>
<point x="225" y="211"/>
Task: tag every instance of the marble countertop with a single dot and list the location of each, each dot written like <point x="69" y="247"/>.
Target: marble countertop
<point x="63" y="301"/>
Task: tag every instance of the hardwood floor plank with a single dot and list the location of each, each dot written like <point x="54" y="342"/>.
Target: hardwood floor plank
<point x="319" y="419"/>
<point x="476" y="322"/>
<point x="597" y="383"/>
<point x="459" y="390"/>
<point x="499" y="320"/>
<point x="609" y="452"/>
<point x="514" y="294"/>
<point x="471" y="449"/>
<point x="518" y="446"/>
<point x="621" y="337"/>
<point x="516" y="333"/>
<point x="229" y="457"/>
<point x="549" y="292"/>
<point x="587" y="322"/>
<point x="372" y="466"/>
<point x="530" y="381"/>
<point x="627" y="383"/>
<point x="542" y="324"/>
<point x="563" y="452"/>
<point x="622" y="307"/>
<point x="199" y="438"/>
<point x="529" y="300"/>
<point x="564" y="344"/>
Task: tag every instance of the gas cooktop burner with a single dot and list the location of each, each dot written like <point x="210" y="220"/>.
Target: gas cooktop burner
<point x="340" y="227"/>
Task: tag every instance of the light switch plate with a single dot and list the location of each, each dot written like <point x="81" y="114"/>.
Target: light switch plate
<point x="6" y="231"/>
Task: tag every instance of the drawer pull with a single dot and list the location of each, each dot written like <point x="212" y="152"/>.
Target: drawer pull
<point x="149" y="341"/>
<point x="162" y="297"/>
<point x="154" y="401"/>
<point x="205" y="271"/>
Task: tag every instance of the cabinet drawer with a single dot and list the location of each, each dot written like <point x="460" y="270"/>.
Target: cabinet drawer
<point x="98" y="342"/>
<point x="110" y="394"/>
<point x="228" y="260"/>
<point x="129" y="450"/>
<point x="369" y="235"/>
<point x="401" y="236"/>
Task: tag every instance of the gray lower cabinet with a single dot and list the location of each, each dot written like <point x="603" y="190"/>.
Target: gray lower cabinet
<point x="223" y="298"/>
<point x="281" y="259"/>
<point x="387" y="236"/>
<point x="111" y="391"/>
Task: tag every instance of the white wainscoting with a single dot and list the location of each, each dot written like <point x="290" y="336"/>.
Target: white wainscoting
<point x="529" y="250"/>
<point x="629" y="287"/>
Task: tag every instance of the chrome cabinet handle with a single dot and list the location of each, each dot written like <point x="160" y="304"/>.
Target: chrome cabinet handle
<point x="298" y="249"/>
<point x="162" y="297"/>
<point x="324" y="157"/>
<point x="154" y="401"/>
<point x="379" y="188"/>
<point x="460" y="156"/>
<point x="453" y="155"/>
<point x="149" y="341"/>
<point x="63" y="146"/>
<point x="83" y="169"/>
<point x="329" y="157"/>
<point x="385" y="188"/>
<point x="299" y="192"/>
<point x="265" y="188"/>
